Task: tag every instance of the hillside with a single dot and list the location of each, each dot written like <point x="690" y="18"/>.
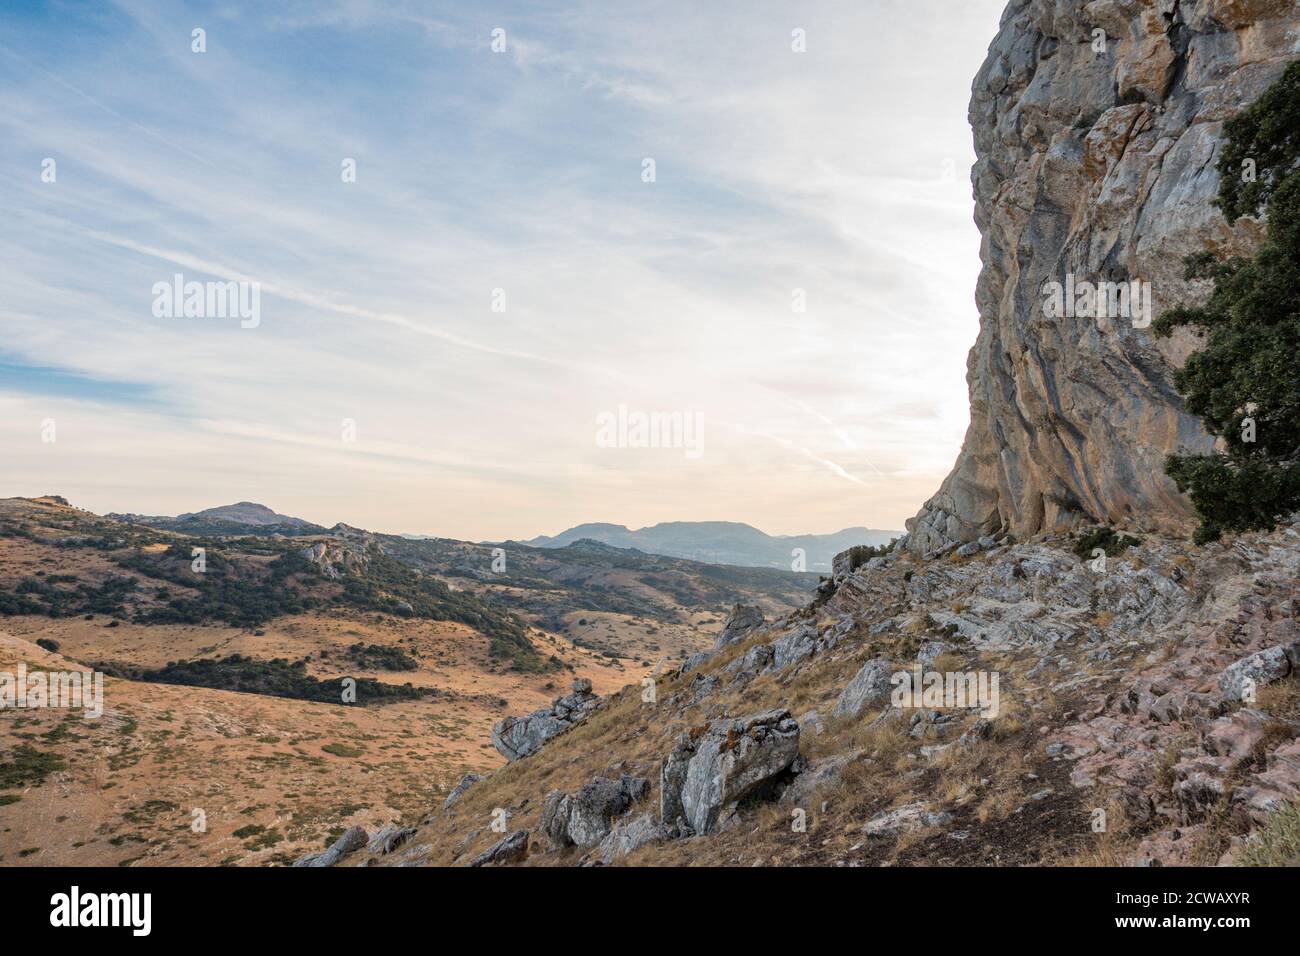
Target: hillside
<point x="224" y="688"/>
<point x="244" y="517"/>
<point x="723" y="542"/>
<point x="1117" y="733"/>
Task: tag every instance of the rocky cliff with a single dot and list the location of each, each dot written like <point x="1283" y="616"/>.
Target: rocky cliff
<point x="1097" y="130"/>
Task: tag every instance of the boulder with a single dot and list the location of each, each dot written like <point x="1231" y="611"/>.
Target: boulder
<point x="712" y="769"/>
<point x="516" y="737"/>
<point x="743" y="619"/>
<point x="352" y="839"/>
<point x="752" y="663"/>
<point x="585" y="818"/>
<point x="695" y="660"/>
<point x="913" y="816"/>
<point x="389" y="838"/>
<point x="1254" y="671"/>
<point x="629" y="836"/>
<point x="870" y="687"/>
<point x="511" y="849"/>
<point x="797" y="645"/>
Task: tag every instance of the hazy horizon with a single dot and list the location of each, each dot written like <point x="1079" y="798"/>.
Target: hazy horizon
<point x="440" y="336"/>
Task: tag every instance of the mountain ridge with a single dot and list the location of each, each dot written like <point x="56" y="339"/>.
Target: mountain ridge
<point x="241" y="517"/>
<point x="721" y="542"/>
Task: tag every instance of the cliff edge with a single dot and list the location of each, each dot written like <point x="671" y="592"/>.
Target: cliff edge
<point x="1097" y="131"/>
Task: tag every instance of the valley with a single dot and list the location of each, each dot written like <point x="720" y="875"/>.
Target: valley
<point x="224" y="687"/>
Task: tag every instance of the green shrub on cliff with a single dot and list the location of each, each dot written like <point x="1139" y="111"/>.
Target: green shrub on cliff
<point x="1244" y="382"/>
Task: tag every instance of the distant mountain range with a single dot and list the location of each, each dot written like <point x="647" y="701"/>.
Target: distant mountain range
<point x="709" y="542"/>
<point x="243" y="517"/>
<point x="722" y="542"/>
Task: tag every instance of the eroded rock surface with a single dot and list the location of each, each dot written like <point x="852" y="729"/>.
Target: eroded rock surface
<point x="516" y="737"/>
<point x="709" y="772"/>
<point x="585" y="817"/>
<point x="352" y="839"/>
<point x="1095" y="160"/>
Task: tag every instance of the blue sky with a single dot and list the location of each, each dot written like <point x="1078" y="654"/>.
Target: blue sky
<point x="841" y="171"/>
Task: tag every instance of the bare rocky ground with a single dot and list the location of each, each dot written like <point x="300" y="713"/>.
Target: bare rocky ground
<point x="1120" y="735"/>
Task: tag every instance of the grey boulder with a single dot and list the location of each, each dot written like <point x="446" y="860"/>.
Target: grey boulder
<point x="511" y="849"/>
<point x="870" y="686"/>
<point x="743" y="619"/>
<point x="710" y="771"/>
<point x="389" y="838"/>
<point x="1253" y="671"/>
<point x="352" y="839"/>
<point x="586" y="817"/>
<point x="632" y="835"/>
<point x="516" y="737"/>
<point x="913" y="816"/>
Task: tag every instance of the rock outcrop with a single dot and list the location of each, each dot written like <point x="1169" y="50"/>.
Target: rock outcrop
<point x="516" y="737"/>
<point x="709" y="772"/>
<point x="744" y="618"/>
<point x="632" y="835"/>
<point x="389" y="838"/>
<point x="510" y="849"/>
<point x="458" y="791"/>
<point x="354" y="838"/>
<point x="870" y="687"/>
<point x="1097" y="129"/>
<point x="586" y="817"/>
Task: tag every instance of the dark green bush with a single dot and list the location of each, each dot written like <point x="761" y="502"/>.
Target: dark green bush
<point x="1244" y="382"/>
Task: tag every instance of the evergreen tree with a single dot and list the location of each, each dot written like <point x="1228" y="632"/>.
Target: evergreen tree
<point x="1243" y="382"/>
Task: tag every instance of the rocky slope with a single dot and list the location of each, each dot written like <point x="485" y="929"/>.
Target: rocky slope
<point x="1135" y="708"/>
<point x="1097" y="130"/>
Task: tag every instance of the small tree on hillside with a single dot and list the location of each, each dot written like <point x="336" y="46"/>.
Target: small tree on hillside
<point x="1244" y="382"/>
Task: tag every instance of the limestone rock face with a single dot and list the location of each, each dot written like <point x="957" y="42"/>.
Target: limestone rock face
<point x="743" y="619"/>
<point x="870" y="686"/>
<point x="510" y="849"/>
<point x="516" y="737"/>
<point x="707" y="774"/>
<point x="1098" y="125"/>
<point x="586" y="817"/>
<point x="352" y="839"/>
